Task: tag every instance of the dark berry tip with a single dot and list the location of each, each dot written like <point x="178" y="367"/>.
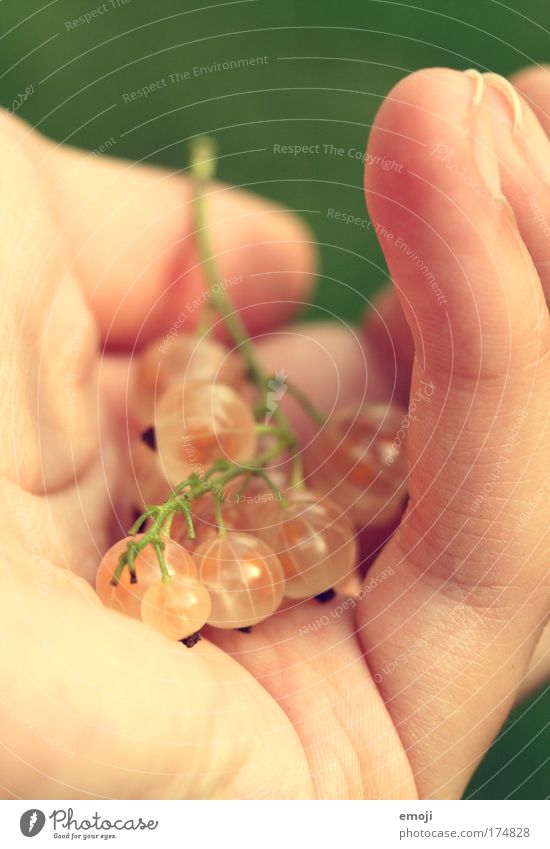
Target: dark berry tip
<point x="192" y="640"/>
<point x="133" y="578"/>
<point x="150" y="438"/>
<point x="246" y="630"/>
<point x="328" y="595"/>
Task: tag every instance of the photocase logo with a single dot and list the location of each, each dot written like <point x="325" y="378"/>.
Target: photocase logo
<point x="276" y="388"/>
<point x="32" y="822"/>
<point x="65" y="824"/>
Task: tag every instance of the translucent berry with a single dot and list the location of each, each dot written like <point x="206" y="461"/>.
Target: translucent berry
<point x="260" y="501"/>
<point x="126" y="597"/>
<point x="177" y="608"/>
<point x="244" y="578"/>
<point x="359" y="460"/>
<point x="172" y="360"/>
<point x="242" y="510"/>
<point x="199" y="423"/>
<point x="314" y="541"/>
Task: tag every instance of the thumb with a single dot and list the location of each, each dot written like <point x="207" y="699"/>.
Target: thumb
<point x="462" y="589"/>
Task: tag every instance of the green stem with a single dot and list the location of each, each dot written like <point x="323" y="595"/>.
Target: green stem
<point x="202" y="170"/>
<point x="184" y="508"/>
<point x="297" y="472"/>
<point x="149" y="512"/>
<point x="167" y="525"/>
<point x="276" y="430"/>
<point x="195" y="488"/>
<point x="313" y="412"/>
<point x="274" y="488"/>
<point x="244" y="484"/>
<point x="219" y="516"/>
<point x="159" y="551"/>
<point x="256" y="464"/>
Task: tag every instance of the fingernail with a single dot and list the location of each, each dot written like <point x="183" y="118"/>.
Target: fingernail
<point x="482" y="134"/>
<point x="478" y="93"/>
<point x="481" y="138"/>
<point x="512" y="97"/>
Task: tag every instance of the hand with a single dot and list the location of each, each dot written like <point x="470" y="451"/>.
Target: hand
<point x="398" y="695"/>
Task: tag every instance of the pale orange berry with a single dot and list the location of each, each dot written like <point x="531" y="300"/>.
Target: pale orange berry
<point x="177" y="608"/>
<point x="126" y="597"/>
<point x="199" y="423"/>
<point x="314" y="541"/>
<point x="359" y="460"/>
<point x="172" y="360"/>
<point x="244" y="578"/>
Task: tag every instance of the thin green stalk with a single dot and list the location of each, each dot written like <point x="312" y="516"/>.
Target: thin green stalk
<point x="202" y="170"/>
<point x="274" y="488"/>
<point x="297" y="472"/>
<point x="159" y="551"/>
<point x="176" y="502"/>
<point x="313" y="412"/>
<point x="149" y="512"/>
<point x="219" y="516"/>
<point x="167" y="525"/>
<point x="213" y="481"/>
<point x="269" y="429"/>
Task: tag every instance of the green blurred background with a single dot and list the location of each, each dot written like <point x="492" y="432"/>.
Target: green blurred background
<point x="321" y="70"/>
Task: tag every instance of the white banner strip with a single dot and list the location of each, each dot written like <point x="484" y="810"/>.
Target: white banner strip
<point x="276" y="825"/>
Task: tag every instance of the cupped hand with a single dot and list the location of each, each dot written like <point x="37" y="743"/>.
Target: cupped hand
<point x="395" y="694"/>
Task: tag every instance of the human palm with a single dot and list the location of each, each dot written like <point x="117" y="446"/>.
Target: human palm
<point x="395" y="694"/>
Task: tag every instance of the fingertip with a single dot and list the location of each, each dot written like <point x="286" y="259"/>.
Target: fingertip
<point x="443" y="222"/>
<point x="423" y="111"/>
<point x="534" y="84"/>
<point x="266" y="252"/>
<point x="326" y="360"/>
<point x="531" y="77"/>
<point x="131" y="235"/>
<point x="419" y="99"/>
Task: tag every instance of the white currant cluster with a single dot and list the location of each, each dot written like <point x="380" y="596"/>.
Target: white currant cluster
<point x="235" y="515"/>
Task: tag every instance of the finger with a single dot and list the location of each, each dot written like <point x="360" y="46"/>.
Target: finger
<point x="463" y="586"/>
<point x="336" y="364"/>
<point x="538" y="673"/>
<point x="107" y="708"/>
<point x="523" y="152"/>
<point x="48" y="338"/>
<point x="326" y="360"/>
<point x="131" y="240"/>
<point x="534" y="85"/>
